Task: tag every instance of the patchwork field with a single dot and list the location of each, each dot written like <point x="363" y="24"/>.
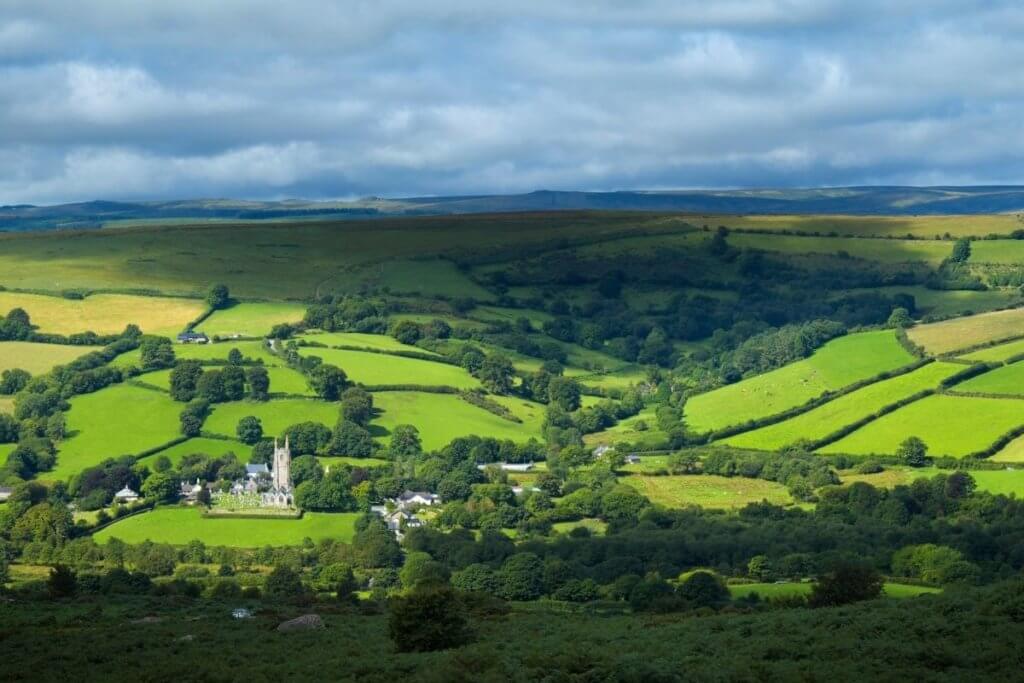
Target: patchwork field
<point x="839" y="363"/>
<point x="1007" y="380"/>
<point x="118" y="420"/>
<point x="443" y="417"/>
<point x="38" y="358"/>
<point x="961" y="333"/>
<point x="276" y="415"/>
<point x="710" y="491"/>
<point x="104" y="313"/>
<point x="282" y="381"/>
<point x="378" y="368"/>
<point x="377" y="342"/>
<point x="824" y="420"/>
<point x="207" y="352"/>
<point x="251" y="319"/>
<point x="211" y="447"/>
<point x="998" y="353"/>
<point x="882" y="251"/>
<point x="949" y="425"/>
<point x="179" y="525"/>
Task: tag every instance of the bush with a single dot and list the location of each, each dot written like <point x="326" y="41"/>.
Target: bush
<point x="428" y="619"/>
<point x="845" y="584"/>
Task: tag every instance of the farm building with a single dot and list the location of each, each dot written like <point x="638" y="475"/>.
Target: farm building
<point x="418" y="498"/>
<point x="509" y="466"/>
<point x="193" y="338"/>
<point x="126" y="495"/>
<point x="5" y="493"/>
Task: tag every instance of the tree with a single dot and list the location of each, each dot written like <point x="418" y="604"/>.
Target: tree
<point x="405" y="440"/>
<point x="565" y="392"/>
<point x="235" y="357"/>
<point x="407" y="332"/>
<point x="760" y="568"/>
<point x="900" y="319"/>
<point x="328" y="381"/>
<point x="249" y="430"/>
<point x="961" y="251"/>
<point x="306" y="468"/>
<point x="62" y="582"/>
<point x="374" y="545"/>
<point x="718" y="244"/>
<point x="913" y="452"/>
<point x="161" y="487"/>
<point x="428" y="619"/>
<point x="193" y="416"/>
<point x="184" y="377"/>
<point x="233" y="381"/>
<point x="496" y="373"/>
<point x="307" y="438"/>
<point x="283" y="582"/>
<point x="357" y="406"/>
<point x="352" y="440"/>
<point x="156" y="353"/>
<point x="845" y="584"/>
<point x="14" y="380"/>
<point x="218" y="296"/>
<point x="521" y="577"/>
<point x="210" y="387"/>
<point x="259" y="383"/>
<point x="421" y="569"/>
<point x="684" y="462"/>
<point x="703" y="589"/>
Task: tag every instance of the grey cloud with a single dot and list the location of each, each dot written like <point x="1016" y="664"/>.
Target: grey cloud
<point x="117" y="99"/>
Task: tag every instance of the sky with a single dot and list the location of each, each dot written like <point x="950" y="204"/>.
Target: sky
<point x="150" y="99"/>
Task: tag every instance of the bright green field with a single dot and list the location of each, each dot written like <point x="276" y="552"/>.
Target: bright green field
<point x="282" y="381"/>
<point x="101" y="313"/>
<point x="379" y="342"/>
<point x="822" y="421"/>
<point x="1006" y="482"/>
<point x="118" y="420"/>
<point x="276" y="415"/>
<point x="442" y="417"/>
<point x="626" y="430"/>
<point x="335" y="460"/>
<point x="961" y="333"/>
<point x="709" y="491"/>
<point x="251" y="319"/>
<point x="998" y="353"/>
<point x="883" y="251"/>
<point x="840" y="362"/>
<point x="949" y="425"/>
<point x="38" y="358"/>
<point x="6" y="449"/>
<point x="1012" y="452"/>
<point x="179" y="525"/>
<point x="784" y="590"/>
<point x="378" y="368"/>
<point x="211" y="447"/>
<point x="1007" y="380"/>
<point x="207" y="352"/>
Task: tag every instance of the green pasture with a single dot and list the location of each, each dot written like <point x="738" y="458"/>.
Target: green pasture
<point x="251" y="319"/>
<point x="769" y="591"/>
<point x="881" y="251"/>
<point x="510" y="315"/>
<point x="211" y="447"/>
<point x="377" y="342"/>
<point x="1006" y="482"/>
<point x="282" y="380"/>
<point x="377" y="368"/>
<point x="949" y="425"/>
<point x="179" y="525"/>
<point x="944" y="302"/>
<point x="923" y="227"/>
<point x="6" y="404"/>
<point x="1013" y="452"/>
<point x="1009" y="252"/>
<point x="424" y="277"/>
<point x="276" y="415"/>
<point x="443" y="417"/>
<point x="335" y="460"/>
<point x="962" y="333"/>
<point x="6" y="449"/>
<point x="595" y="526"/>
<point x="99" y="313"/>
<point x="627" y="431"/>
<point x="838" y="363"/>
<point x="617" y="379"/>
<point x="118" y="420"/>
<point x="708" y="491"/>
<point x="38" y="358"/>
<point x="207" y="352"/>
<point x="823" y="420"/>
<point x="997" y="353"/>
<point x="1007" y="380"/>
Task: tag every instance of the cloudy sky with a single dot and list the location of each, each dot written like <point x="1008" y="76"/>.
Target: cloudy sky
<point x="131" y="99"/>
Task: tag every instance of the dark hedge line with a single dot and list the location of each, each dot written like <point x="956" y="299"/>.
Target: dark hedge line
<point x="156" y="449"/>
<point x="202" y="317"/>
<point x="884" y="410"/>
<point x="967" y="373"/>
<point x="998" y="445"/>
<point x="480" y="401"/>
<point x="423" y="388"/>
<point x="418" y="355"/>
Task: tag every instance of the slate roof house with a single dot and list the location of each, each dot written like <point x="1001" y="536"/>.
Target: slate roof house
<point x="193" y="338"/>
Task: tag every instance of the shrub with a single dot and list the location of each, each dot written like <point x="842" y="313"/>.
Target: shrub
<point x="428" y="619"/>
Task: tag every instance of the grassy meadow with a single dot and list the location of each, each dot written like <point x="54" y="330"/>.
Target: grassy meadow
<point x="949" y="425"/>
<point x="1008" y="482"/>
<point x="276" y="415"/>
<point x="207" y="352"/>
<point x="100" y="313"/>
<point x="205" y="446"/>
<point x="38" y="358"/>
<point x="282" y="381"/>
<point x="961" y="333"/>
<point x="118" y="420"/>
<point x="179" y="525"/>
<point x="375" y="342"/>
<point x="821" y="421"/>
<point x="377" y="368"/>
<point x="443" y="417"/>
<point x="251" y="319"/>
<point x="997" y="353"/>
<point x="1007" y="380"/>
<point x="840" y="362"/>
<point x="769" y="591"/>
<point x="709" y="491"/>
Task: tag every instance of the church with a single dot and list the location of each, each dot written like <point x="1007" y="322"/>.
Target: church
<point x="281" y="493"/>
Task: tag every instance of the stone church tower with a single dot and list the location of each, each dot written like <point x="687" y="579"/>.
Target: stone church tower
<point x="282" y="471"/>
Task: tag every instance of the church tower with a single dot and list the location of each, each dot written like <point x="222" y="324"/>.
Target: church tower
<point x="282" y="466"/>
